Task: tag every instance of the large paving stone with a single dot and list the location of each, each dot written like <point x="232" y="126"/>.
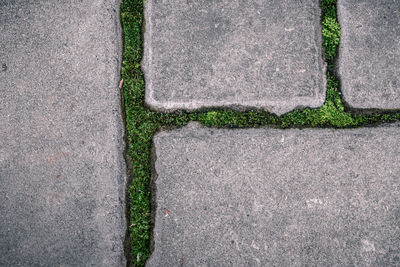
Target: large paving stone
<point x="62" y="171"/>
<point x="272" y="197"/>
<point x="241" y="54"/>
<point x="369" y="54"/>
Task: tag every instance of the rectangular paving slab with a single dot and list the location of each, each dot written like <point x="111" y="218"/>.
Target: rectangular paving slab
<point x="240" y="54"/>
<point x="268" y="197"/>
<point x="62" y="169"/>
<point x="369" y="54"/>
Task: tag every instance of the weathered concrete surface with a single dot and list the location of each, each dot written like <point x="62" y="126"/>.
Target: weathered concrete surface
<point x="268" y="197"/>
<point x="369" y="54"/>
<point x="62" y="172"/>
<point x="241" y="54"/>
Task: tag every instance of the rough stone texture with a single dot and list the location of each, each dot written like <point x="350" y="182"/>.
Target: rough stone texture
<point x="267" y="197"/>
<point x="241" y="54"/>
<point x="62" y="171"/>
<point x="369" y="54"/>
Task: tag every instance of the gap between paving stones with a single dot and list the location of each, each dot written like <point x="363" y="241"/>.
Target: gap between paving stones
<point x="142" y="123"/>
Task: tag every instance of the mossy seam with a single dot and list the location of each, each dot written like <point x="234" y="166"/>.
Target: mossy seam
<point x="142" y="123"/>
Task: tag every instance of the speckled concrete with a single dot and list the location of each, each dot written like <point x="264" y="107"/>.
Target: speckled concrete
<point x="268" y="197"/>
<point x="238" y="54"/>
<point x="369" y="54"/>
<point x="62" y="171"/>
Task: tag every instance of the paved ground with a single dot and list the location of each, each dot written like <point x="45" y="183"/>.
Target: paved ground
<point x="369" y="59"/>
<point x="221" y="197"/>
<point x="264" y="54"/>
<point x="62" y="169"/>
<point x="266" y="197"/>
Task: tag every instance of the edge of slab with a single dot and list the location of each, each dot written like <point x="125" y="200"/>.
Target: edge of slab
<point x="198" y="128"/>
<point x="276" y="107"/>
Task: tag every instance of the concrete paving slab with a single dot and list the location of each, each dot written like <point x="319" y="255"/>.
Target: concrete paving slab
<point x="268" y="197"/>
<point x="62" y="170"/>
<point x="369" y="54"/>
<point x="238" y="54"/>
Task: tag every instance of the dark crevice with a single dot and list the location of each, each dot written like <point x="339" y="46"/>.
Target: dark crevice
<point x="153" y="195"/>
<point x="129" y="179"/>
<point x="127" y="158"/>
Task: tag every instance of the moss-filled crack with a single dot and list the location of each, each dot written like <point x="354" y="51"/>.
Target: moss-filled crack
<point x="142" y="123"/>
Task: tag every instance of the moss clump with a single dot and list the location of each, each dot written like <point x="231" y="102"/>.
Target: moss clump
<point x="331" y="37"/>
<point x="330" y="29"/>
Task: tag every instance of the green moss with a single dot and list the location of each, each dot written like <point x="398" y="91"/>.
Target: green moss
<point x="331" y="36"/>
<point x="235" y="119"/>
<point x="330" y="29"/>
<point x="142" y="123"/>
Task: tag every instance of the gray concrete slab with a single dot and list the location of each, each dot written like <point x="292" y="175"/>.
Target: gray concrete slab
<point x="238" y="54"/>
<point x="62" y="171"/>
<point x="268" y="197"/>
<point x="369" y="53"/>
